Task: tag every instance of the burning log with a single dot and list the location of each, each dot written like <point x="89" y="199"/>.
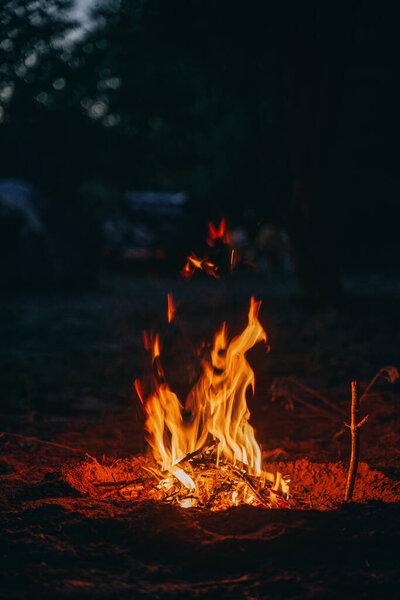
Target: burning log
<point x="202" y="450"/>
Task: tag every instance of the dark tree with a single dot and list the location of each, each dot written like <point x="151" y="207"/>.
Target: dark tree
<point x="33" y="77"/>
<point x="317" y="45"/>
<point x="280" y="111"/>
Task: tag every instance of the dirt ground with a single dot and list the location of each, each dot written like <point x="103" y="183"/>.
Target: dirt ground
<point x="68" y="363"/>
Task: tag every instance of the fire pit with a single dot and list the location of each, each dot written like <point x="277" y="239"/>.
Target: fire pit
<point x="204" y="451"/>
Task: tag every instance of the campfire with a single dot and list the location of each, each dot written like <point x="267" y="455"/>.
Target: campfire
<point x="204" y="448"/>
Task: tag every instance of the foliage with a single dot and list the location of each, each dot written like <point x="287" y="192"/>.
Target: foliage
<point x="34" y="70"/>
<point x="225" y="101"/>
<point x="148" y="97"/>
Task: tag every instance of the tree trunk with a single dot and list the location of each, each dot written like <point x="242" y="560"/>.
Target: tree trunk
<point x="314" y="60"/>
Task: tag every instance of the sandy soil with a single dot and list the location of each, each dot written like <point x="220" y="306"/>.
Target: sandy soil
<point x="67" y="370"/>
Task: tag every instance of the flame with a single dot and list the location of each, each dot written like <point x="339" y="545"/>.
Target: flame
<point x="171" y="308"/>
<point x="213" y="420"/>
<point x="234" y="260"/>
<point x="193" y="263"/>
<point x="139" y="390"/>
<point x="146" y="340"/>
<point x="218" y="233"/>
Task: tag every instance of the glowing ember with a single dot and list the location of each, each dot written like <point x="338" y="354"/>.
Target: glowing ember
<point x="203" y="264"/>
<point x="205" y="449"/>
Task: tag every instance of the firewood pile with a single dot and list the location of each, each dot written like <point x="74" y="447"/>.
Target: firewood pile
<point x="139" y="479"/>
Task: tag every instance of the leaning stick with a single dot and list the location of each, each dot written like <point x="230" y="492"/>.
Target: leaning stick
<point x="315" y="393"/>
<point x="39" y="441"/>
<point x="392" y="374"/>
<point x="355" y="440"/>
<point x="197" y="452"/>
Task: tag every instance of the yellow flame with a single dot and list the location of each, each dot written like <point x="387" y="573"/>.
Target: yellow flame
<point x="217" y="404"/>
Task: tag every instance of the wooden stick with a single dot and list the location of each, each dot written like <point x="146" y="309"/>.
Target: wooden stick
<point x="392" y="374"/>
<point x="117" y="484"/>
<point x="321" y="410"/>
<point x="313" y="392"/>
<point x="240" y="475"/>
<point x="197" y="452"/>
<point x="355" y="440"/>
<point x="38" y="441"/>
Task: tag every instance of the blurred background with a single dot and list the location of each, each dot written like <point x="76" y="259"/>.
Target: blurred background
<point x="126" y="124"/>
<point x="125" y="127"/>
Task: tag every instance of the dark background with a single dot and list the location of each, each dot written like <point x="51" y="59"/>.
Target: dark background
<point x="283" y="113"/>
<point x="282" y="117"/>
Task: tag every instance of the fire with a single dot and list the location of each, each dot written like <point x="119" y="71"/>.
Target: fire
<point x="234" y="259"/>
<point x="218" y="233"/>
<point x="205" y="448"/>
<point x="193" y="263"/>
<point x="171" y="308"/>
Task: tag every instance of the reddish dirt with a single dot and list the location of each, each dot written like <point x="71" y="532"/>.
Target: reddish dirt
<point x="77" y="358"/>
<point x="313" y="485"/>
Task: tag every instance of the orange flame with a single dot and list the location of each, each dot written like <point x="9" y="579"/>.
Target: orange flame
<point x="235" y="258"/>
<point x="139" y="390"/>
<point x="215" y="411"/>
<point x="171" y="308"/>
<point x="203" y="264"/>
<point x="221" y="232"/>
<point x="146" y="340"/>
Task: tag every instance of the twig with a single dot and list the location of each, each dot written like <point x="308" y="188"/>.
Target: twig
<point x="128" y="483"/>
<point x="392" y="375"/>
<point x="355" y="440"/>
<point x="315" y="394"/>
<point x="251" y="485"/>
<point x="225" y="486"/>
<point x="259" y="494"/>
<point x="117" y="484"/>
<point x="191" y="455"/>
<point x="321" y="410"/>
<point x="197" y="452"/>
<point x="38" y="441"/>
